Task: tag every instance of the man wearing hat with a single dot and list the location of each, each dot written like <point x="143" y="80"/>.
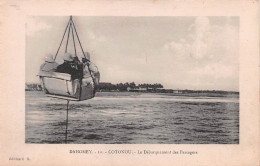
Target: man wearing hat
<point x="49" y="65"/>
<point x="69" y="66"/>
<point x="90" y="72"/>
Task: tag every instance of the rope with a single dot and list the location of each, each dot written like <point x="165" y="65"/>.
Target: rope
<point x="71" y="26"/>
<point x="68" y="37"/>
<point x="74" y="41"/>
<point x="78" y="38"/>
<point x="61" y="41"/>
<point x="70" y="29"/>
<point x="67" y="122"/>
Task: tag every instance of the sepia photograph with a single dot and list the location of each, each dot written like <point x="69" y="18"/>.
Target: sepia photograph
<point x="132" y="80"/>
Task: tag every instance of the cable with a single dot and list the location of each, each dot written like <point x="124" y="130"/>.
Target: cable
<point x="67" y="121"/>
<point x="61" y="41"/>
<point x="68" y="38"/>
<point x="78" y="38"/>
<point x="74" y="41"/>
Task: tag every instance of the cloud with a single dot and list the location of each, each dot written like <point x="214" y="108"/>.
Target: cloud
<point x="198" y="49"/>
<point x="215" y="71"/>
<point x="201" y="25"/>
<point x="33" y="26"/>
<point x="200" y="45"/>
<point x="206" y="41"/>
<point x="178" y="49"/>
<point x="209" y="54"/>
<point x="95" y="37"/>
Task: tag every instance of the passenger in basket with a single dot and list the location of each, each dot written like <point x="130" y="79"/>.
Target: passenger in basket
<point x="49" y="65"/>
<point x="88" y="77"/>
<point x="79" y="65"/>
<point x="90" y="69"/>
<point x="75" y="59"/>
<point x="87" y="66"/>
<point x="69" y="66"/>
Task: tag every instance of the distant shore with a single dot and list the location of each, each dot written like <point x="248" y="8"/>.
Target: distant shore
<point x="186" y="94"/>
<point x="146" y="88"/>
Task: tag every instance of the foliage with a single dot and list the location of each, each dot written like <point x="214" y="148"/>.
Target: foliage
<point x="123" y="86"/>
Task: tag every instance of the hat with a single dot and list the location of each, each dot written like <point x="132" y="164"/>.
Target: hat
<point x="49" y="58"/>
<point x="75" y="57"/>
<point x="68" y="57"/>
<point x="87" y="55"/>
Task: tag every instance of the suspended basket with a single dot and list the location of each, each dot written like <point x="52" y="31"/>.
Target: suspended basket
<point x="61" y="85"/>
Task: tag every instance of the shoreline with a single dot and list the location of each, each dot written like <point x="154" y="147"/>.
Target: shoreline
<point x="191" y="94"/>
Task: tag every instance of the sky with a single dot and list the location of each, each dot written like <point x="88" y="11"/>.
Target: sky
<point x="198" y="53"/>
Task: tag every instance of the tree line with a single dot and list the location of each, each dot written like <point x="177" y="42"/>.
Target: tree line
<point x="105" y="86"/>
<point x="33" y="87"/>
<point x="125" y="86"/>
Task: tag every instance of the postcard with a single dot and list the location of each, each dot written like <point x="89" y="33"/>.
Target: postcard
<point x="129" y="82"/>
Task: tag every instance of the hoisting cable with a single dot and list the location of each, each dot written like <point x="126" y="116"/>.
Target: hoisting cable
<point x="68" y="37"/>
<point x="61" y="41"/>
<point x="67" y="121"/>
<point x="78" y="38"/>
<point x="74" y="40"/>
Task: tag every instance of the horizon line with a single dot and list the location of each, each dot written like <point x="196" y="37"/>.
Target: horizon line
<point x="163" y="88"/>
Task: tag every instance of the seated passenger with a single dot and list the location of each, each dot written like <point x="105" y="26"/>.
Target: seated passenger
<point x="79" y="64"/>
<point x="69" y="66"/>
<point x="90" y="69"/>
<point x="75" y="59"/>
<point x="49" y="65"/>
<point x="89" y="73"/>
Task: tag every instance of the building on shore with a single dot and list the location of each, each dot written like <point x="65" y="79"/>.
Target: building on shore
<point x="177" y="91"/>
<point x="139" y="89"/>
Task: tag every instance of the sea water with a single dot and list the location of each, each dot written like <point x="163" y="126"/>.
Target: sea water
<point x="132" y="118"/>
